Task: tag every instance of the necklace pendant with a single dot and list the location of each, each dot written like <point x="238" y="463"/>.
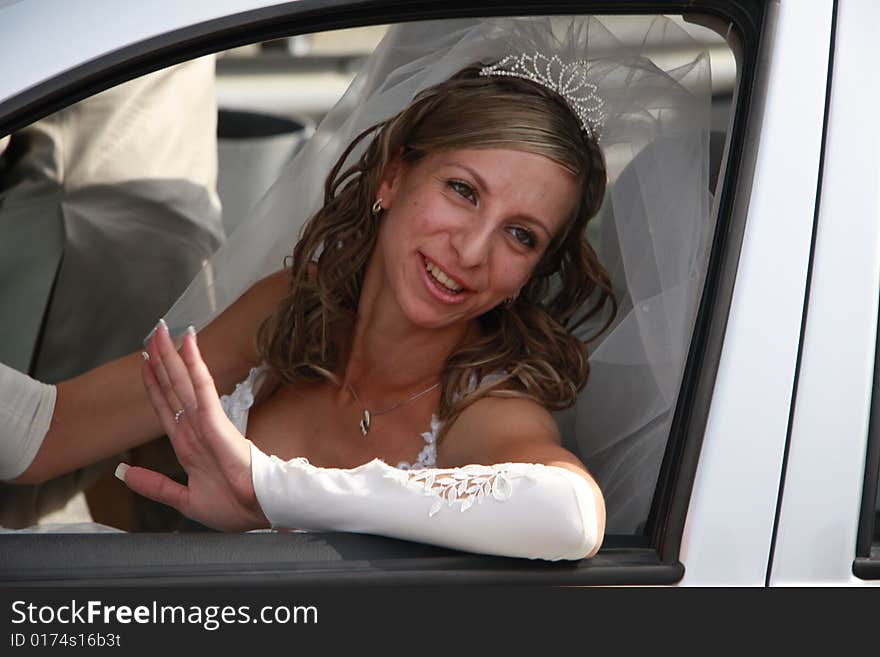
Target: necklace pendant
<point x="365" y="423"/>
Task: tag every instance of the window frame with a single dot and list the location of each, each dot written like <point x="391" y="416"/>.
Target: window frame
<point x="866" y="564"/>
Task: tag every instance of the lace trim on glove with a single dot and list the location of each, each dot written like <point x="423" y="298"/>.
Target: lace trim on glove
<point x="464" y="486"/>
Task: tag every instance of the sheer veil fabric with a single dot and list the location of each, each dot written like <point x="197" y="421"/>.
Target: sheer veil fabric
<point x="653" y="233"/>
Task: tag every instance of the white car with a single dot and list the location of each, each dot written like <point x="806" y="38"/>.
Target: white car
<point x="769" y="467"/>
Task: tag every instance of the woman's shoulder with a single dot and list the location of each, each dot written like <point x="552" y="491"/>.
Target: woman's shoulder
<point x="258" y="300"/>
<point x="508" y="413"/>
<point x="272" y="287"/>
<point x="227" y="343"/>
<point x="493" y="427"/>
<point x="267" y="292"/>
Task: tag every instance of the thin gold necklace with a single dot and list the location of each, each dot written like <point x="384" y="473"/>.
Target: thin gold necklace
<point x="364" y="424"/>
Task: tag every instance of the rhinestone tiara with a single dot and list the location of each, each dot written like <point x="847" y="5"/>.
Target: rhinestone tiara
<point x="568" y="80"/>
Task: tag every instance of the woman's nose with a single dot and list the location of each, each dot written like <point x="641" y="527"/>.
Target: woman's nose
<point x="473" y="243"/>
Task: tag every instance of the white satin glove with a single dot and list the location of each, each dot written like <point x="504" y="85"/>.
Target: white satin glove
<point x="26" y="408"/>
<point x="511" y="509"/>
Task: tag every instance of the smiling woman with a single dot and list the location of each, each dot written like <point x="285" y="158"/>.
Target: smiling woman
<point x="461" y="190"/>
<point x="437" y="307"/>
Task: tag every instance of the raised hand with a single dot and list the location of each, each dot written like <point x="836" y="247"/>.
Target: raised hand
<point x="219" y="492"/>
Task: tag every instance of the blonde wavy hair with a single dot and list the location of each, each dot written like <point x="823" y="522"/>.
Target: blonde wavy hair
<point x="531" y="341"/>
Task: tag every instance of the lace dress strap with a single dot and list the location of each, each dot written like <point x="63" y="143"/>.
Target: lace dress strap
<point x="237" y="404"/>
<point x="427" y="458"/>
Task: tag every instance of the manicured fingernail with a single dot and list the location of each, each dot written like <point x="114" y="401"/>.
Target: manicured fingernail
<point x="145" y="355"/>
<point x="163" y="325"/>
<point x="150" y="335"/>
<point x="191" y="330"/>
<point x="121" y="469"/>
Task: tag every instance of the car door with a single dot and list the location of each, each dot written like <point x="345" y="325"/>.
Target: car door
<point x="827" y="505"/>
<point x="730" y="525"/>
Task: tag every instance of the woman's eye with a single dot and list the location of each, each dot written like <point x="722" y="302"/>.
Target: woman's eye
<point x="523" y="236"/>
<point x="464" y="190"/>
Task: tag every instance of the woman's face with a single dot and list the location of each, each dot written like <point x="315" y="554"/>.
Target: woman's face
<point x="463" y="230"/>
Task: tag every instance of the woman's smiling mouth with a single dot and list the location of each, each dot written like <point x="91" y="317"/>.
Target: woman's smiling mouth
<point x="440" y="284"/>
<point x="442" y="277"/>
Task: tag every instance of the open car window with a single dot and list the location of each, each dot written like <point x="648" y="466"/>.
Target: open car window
<point x="188" y="150"/>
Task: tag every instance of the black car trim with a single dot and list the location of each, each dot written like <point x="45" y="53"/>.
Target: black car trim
<point x="659" y="562"/>
<point x="865" y="541"/>
<point x="325" y="559"/>
<point x="815" y="227"/>
<point x="867" y="568"/>
<point x="867" y="561"/>
<point x="665" y="523"/>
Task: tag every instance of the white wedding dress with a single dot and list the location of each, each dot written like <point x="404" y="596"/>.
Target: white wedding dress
<point x="238" y="403"/>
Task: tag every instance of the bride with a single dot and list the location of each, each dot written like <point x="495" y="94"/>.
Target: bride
<point x="427" y="320"/>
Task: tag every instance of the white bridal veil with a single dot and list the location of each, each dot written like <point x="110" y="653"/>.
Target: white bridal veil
<point x="653" y="232"/>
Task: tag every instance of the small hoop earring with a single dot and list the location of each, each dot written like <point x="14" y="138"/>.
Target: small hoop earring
<point x="509" y="300"/>
<point x="377" y="207"/>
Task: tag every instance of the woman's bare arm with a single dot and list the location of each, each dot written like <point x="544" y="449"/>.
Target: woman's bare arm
<point x="106" y="410"/>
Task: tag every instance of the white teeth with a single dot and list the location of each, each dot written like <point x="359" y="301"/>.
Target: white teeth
<point x="438" y="275"/>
